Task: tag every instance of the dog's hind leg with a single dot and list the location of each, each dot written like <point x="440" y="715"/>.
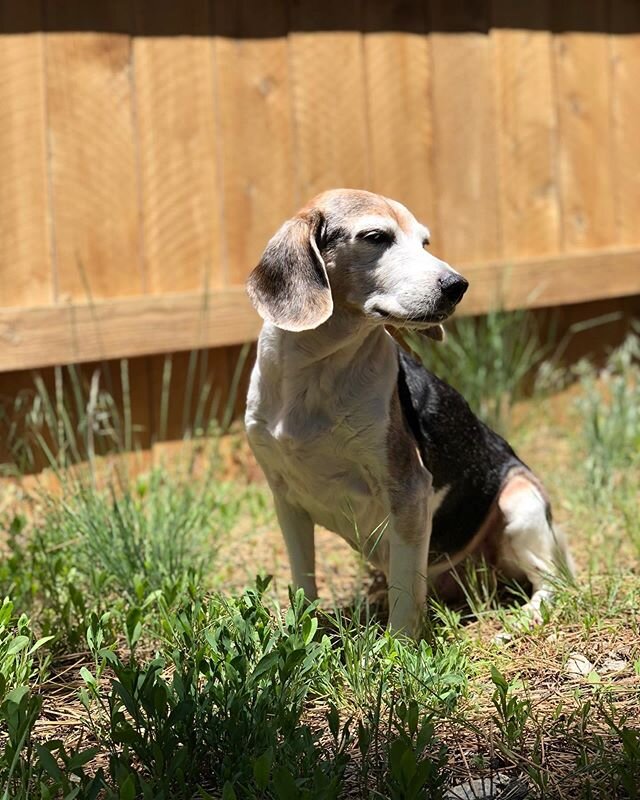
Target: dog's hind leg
<point x="530" y="546"/>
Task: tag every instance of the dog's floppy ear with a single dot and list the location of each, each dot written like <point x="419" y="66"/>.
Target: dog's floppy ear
<point x="290" y="286"/>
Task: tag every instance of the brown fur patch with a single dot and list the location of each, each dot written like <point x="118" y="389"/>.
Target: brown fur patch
<point x="520" y="479"/>
<point x="349" y="204"/>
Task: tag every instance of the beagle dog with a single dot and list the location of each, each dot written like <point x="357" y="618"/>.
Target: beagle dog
<point x="354" y="435"/>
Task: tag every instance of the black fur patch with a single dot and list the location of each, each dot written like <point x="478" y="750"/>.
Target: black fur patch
<point x="459" y="451"/>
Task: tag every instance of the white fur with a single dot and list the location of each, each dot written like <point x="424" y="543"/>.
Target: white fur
<point x="530" y="547"/>
<point x="407" y="581"/>
<point x="317" y="426"/>
<point x="402" y="281"/>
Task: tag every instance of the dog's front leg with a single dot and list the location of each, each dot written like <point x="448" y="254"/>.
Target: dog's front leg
<point x="407" y="579"/>
<point x="298" y="532"/>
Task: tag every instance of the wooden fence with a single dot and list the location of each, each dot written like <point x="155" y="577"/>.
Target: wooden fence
<point x="149" y="148"/>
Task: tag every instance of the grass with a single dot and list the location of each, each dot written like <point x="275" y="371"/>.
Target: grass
<point x="140" y="657"/>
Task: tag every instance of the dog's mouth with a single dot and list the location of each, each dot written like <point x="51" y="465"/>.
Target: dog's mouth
<point x="420" y="321"/>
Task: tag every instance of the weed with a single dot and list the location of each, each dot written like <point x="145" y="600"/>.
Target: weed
<point x="17" y="650"/>
<point x="231" y="709"/>
<point x="26" y="764"/>
<point x="417" y="761"/>
<point x="512" y="712"/>
<point x="609" y="405"/>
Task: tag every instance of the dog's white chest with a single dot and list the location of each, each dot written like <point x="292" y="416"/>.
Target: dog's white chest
<point x="329" y="471"/>
<point x="326" y="456"/>
<point x="334" y="476"/>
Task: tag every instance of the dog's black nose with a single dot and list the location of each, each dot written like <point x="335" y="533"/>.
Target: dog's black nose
<point x="453" y="287"/>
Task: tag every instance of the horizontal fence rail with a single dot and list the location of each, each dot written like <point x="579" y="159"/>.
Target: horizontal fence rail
<point x="143" y="325"/>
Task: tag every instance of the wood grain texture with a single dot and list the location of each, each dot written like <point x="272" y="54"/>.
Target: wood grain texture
<point x="398" y="82"/>
<point x="582" y="68"/>
<point x="465" y="133"/>
<point x="25" y="262"/>
<point x="93" y="157"/>
<point x="255" y="127"/>
<point x="178" y="136"/>
<point x="127" y="327"/>
<point x="329" y="96"/>
<point x="551" y="281"/>
<point x="527" y="131"/>
<point x="625" y="51"/>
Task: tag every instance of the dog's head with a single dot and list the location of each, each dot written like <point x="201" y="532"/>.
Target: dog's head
<point x="353" y="250"/>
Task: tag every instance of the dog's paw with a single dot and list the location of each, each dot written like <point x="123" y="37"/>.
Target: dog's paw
<point x="534" y="614"/>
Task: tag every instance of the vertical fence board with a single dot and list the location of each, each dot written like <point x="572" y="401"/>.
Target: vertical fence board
<point x="329" y="91"/>
<point x="93" y="163"/>
<point x="585" y="131"/>
<point x="398" y="79"/>
<point x="529" y="203"/>
<point x="24" y="231"/>
<point x="464" y="123"/>
<point x="178" y="140"/>
<point x="625" y="45"/>
<point x="255" y="127"/>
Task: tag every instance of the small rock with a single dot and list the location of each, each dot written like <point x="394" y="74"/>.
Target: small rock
<point x="494" y="787"/>
<point x="577" y="664"/>
<point x="613" y="665"/>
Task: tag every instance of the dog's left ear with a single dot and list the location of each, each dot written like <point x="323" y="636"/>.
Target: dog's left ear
<point x="290" y="286"/>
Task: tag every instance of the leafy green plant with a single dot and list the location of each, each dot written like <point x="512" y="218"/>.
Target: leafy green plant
<point x="416" y="759"/>
<point x="513" y="712"/>
<point x="17" y="650"/>
<point x="25" y="764"/>
<point x="228" y="689"/>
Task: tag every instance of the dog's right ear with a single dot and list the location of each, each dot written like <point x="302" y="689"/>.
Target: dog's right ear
<point x="290" y="286"/>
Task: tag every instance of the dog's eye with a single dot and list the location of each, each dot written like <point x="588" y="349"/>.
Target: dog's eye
<point x="376" y="237"/>
<point x="426" y="242"/>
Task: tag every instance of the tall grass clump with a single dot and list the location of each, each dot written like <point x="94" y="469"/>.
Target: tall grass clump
<point x="79" y="418"/>
<point x="92" y="550"/>
<point x="109" y="536"/>
<point x="608" y="406"/>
